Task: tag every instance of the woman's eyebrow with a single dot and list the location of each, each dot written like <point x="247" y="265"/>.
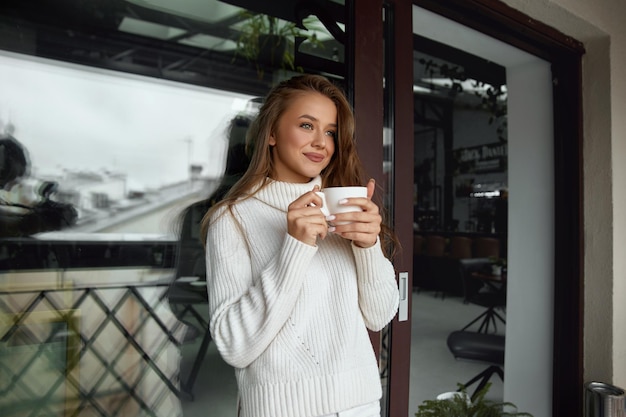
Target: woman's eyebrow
<point x="315" y="119"/>
<point x="308" y="116"/>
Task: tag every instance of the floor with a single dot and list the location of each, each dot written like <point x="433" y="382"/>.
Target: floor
<point x="433" y="369"/>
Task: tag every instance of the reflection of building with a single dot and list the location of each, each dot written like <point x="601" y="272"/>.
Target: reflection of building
<point x="90" y="191"/>
<point x="105" y="203"/>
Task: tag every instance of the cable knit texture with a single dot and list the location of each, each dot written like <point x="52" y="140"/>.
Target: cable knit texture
<point x="292" y="318"/>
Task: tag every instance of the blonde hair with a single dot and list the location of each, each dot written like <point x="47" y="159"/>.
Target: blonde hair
<point x="345" y="167"/>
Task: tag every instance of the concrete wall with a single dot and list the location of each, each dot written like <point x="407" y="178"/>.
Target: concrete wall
<point x="600" y="26"/>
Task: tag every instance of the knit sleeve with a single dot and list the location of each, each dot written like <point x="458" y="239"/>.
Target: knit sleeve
<point x="378" y="289"/>
<point x="247" y="312"/>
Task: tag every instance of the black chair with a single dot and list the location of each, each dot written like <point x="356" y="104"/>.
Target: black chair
<point x="183" y="295"/>
<point x="435" y="270"/>
<point x="188" y="291"/>
<point x="483" y="292"/>
<point x="480" y="347"/>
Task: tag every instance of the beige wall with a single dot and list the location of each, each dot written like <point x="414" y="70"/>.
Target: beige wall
<point x="600" y="26"/>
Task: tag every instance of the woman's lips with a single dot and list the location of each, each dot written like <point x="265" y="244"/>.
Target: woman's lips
<point x="315" y="157"/>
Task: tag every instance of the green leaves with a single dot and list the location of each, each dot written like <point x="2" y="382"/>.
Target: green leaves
<point x="459" y="407"/>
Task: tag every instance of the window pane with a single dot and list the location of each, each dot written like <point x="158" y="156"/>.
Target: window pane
<point x="460" y="220"/>
<point x="118" y="120"/>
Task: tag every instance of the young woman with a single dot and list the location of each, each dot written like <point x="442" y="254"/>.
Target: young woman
<point x="290" y="295"/>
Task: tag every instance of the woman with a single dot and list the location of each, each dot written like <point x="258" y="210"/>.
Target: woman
<point x="290" y="295"/>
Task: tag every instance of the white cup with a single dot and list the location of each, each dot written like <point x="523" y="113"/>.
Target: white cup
<point x="331" y="197"/>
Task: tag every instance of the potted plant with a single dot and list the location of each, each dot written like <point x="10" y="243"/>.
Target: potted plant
<point x="498" y="265"/>
<point x="462" y="406"/>
<point x="267" y="40"/>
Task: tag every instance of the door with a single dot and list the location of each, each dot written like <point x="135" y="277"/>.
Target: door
<point x="542" y="346"/>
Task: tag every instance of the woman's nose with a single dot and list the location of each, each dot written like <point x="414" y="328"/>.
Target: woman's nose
<point x="319" y="141"/>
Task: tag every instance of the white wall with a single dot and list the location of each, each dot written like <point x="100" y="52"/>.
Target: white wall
<point x="600" y="26"/>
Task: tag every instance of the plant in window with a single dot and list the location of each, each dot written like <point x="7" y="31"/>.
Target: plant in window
<point x="497" y="261"/>
<point x="267" y="40"/>
<point x="492" y="98"/>
<point x="498" y="265"/>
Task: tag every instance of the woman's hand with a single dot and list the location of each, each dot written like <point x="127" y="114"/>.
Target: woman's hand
<point x="364" y="226"/>
<point x="305" y="220"/>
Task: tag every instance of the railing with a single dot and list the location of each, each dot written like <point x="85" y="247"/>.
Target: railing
<point x="86" y="329"/>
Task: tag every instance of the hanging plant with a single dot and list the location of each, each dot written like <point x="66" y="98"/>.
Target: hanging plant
<point x="267" y="40"/>
<point x="492" y="99"/>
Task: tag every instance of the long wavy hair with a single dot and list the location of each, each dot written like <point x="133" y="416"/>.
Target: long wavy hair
<point x="345" y="167"/>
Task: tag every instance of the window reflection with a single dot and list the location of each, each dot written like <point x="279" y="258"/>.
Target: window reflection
<point x="123" y="151"/>
<point x="127" y="113"/>
<point x="460" y="218"/>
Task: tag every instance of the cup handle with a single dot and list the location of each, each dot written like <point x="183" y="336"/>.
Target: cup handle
<point x="324" y="207"/>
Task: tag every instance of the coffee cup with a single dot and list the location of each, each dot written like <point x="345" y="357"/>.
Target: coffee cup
<point x="331" y="196"/>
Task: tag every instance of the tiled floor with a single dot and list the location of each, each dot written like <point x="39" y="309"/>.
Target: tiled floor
<point x="433" y="369"/>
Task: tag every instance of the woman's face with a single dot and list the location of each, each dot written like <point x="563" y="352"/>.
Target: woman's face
<point x="304" y="140"/>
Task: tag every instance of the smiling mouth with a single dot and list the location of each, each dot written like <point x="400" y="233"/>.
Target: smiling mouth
<point x="314" y="157"/>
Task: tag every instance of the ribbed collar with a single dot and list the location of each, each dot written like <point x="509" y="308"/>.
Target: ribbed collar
<point x="280" y="194"/>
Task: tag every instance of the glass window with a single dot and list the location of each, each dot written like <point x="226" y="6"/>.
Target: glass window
<point x="118" y="122"/>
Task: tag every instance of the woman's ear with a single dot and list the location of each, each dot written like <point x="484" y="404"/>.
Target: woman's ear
<point x="272" y="141"/>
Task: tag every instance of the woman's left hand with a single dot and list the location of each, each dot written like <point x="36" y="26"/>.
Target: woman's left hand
<point x="364" y="226"/>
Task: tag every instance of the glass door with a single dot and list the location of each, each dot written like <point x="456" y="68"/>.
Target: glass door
<point x="460" y="219"/>
<point x="494" y="181"/>
<point x="471" y="147"/>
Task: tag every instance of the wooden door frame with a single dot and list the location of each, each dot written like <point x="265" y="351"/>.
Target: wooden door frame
<point x="364" y="58"/>
<point x="369" y="55"/>
<point x="400" y="84"/>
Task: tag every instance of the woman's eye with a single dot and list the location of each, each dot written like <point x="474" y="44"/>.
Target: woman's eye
<point x="306" y="125"/>
<point x="331" y="133"/>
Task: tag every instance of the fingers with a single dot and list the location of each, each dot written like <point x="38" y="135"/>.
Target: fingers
<point x="307" y="229"/>
<point x="361" y="236"/>
<point x="305" y="220"/>
<point x="307" y="223"/>
<point x="310" y="199"/>
<point x="367" y="206"/>
<point x="362" y="227"/>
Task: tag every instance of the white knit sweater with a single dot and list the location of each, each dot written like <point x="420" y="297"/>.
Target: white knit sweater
<point x="291" y="317"/>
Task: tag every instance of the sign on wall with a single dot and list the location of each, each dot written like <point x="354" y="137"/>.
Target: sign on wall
<point x="490" y="157"/>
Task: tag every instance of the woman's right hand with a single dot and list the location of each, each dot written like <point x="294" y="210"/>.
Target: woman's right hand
<point x="305" y="220"/>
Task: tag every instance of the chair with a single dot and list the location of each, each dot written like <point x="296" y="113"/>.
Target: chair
<point x="184" y="296"/>
<point x="481" y="347"/>
<point x="418" y="244"/>
<point x="435" y="245"/>
<point x="425" y="261"/>
<point x="486" y="247"/>
<point x="488" y="318"/>
<point x="460" y="247"/>
<point x="481" y="290"/>
<point x="449" y="272"/>
<point x="421" y="278"/>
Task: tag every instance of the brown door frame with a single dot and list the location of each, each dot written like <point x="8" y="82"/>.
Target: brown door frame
<point x="371" y="54"/>
<point x="365" y="70"/>
<point x="502" y="22"/>
<point x="399" y="84"/>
